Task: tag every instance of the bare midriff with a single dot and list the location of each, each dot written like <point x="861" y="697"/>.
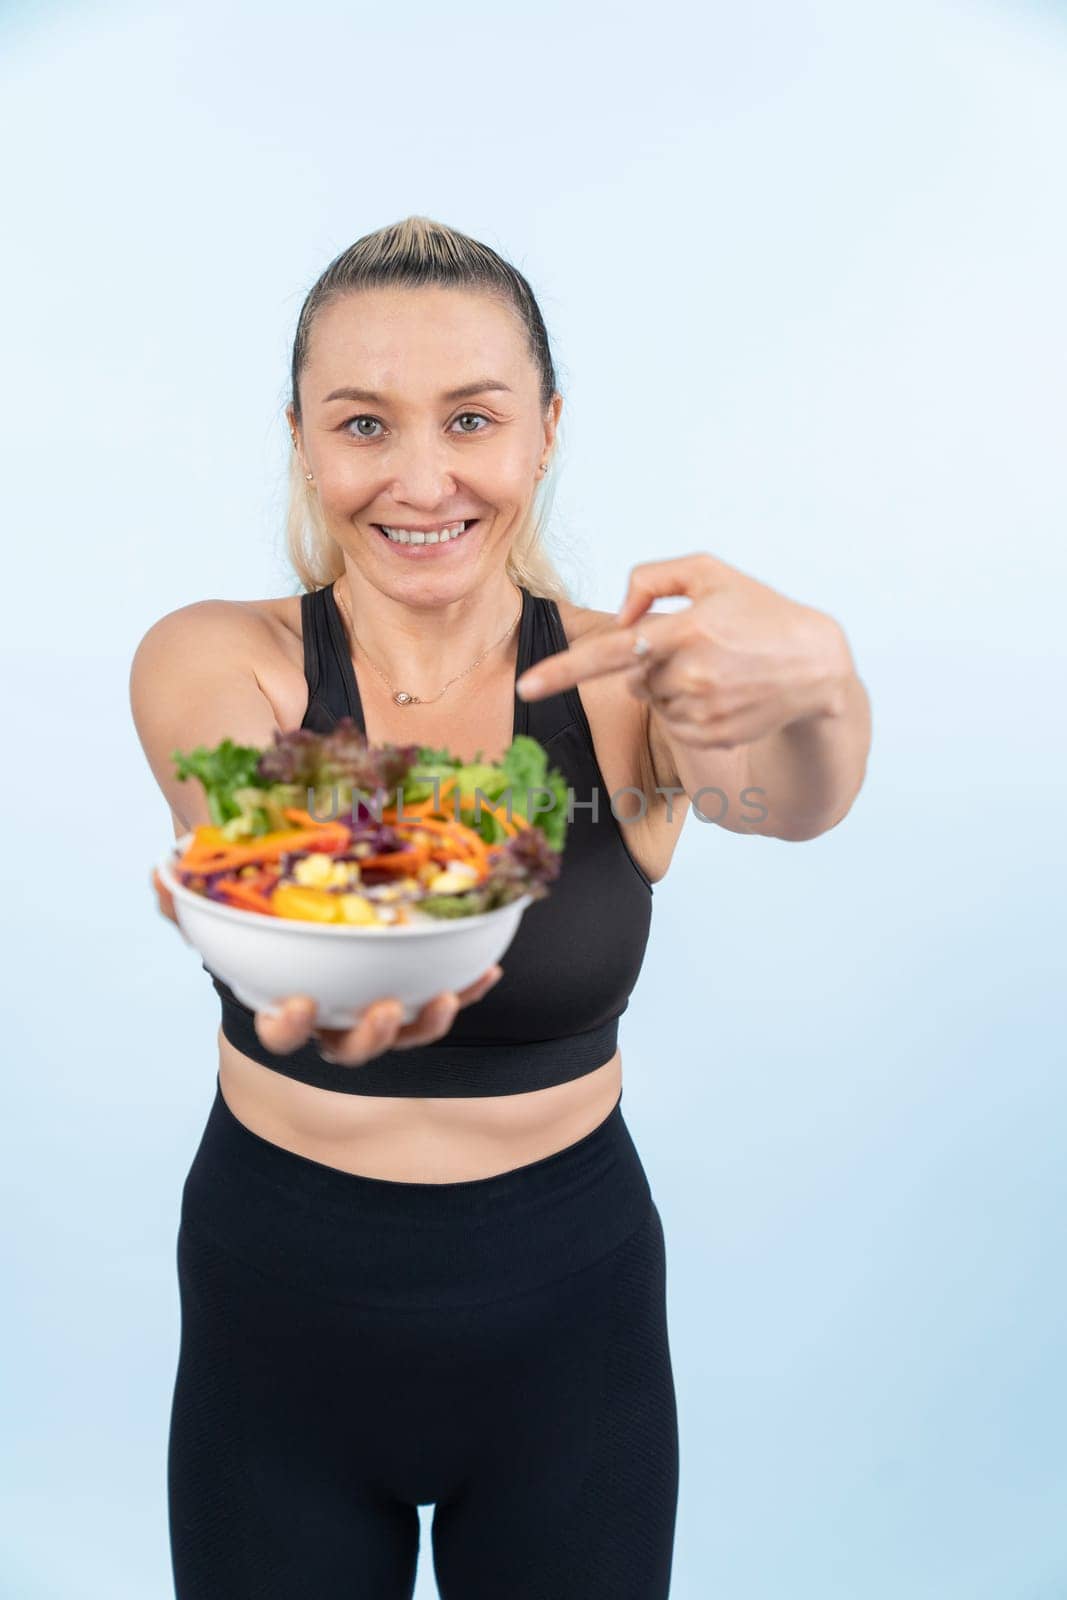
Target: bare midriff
<point x="407" y="1139"/>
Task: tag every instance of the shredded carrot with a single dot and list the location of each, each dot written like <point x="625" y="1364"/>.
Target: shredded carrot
<point x="455" y="836"/>
<point x="425" y="811"/>
<point x="456" y="830"/>
<point x="403" y="860"/>
<point x="463" y="840"/>
<point x="458" y="842"/>
<point x="263" y="881"/>
<point x="206" y="841"/>
<point x="244" y="897"/>
<point x="304" y="819"/>
<point x="327" y="837"/>
<point x="419" y="808"/>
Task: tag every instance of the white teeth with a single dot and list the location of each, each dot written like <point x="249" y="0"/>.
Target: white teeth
<point x="434" y="536"/>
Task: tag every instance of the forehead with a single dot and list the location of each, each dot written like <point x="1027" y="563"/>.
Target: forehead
<point x="416" y="342"/>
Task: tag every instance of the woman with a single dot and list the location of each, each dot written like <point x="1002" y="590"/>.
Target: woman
<point x="421" y="1263"/>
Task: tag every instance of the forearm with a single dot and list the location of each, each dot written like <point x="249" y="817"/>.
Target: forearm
<point x="810" y="772"/>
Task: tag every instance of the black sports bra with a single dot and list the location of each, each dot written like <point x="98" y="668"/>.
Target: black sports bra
<point x="571" y="967"/>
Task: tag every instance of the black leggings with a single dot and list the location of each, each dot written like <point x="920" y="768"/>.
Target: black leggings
<point x="353" y="1347"/>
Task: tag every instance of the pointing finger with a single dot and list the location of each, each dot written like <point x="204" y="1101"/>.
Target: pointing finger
<point x="610" y="649"/>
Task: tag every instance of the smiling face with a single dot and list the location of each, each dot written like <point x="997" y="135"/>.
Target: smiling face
<point x="421" y="411"/>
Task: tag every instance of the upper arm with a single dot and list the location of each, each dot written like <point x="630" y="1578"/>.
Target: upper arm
<point x="193" y="682"/>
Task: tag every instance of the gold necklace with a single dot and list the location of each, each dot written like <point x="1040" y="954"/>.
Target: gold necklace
<point x="401" y="696"/>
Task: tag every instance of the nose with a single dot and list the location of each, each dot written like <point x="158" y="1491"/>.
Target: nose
<point x="422" y="473"/>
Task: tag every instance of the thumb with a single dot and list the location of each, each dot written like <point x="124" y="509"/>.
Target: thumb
<point x="691" y="576"/>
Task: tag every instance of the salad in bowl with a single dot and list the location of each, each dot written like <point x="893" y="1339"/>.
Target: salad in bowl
<point x="325" y="854"/>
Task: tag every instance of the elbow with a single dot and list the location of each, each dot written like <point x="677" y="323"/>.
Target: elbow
<point x="798" y="831"/>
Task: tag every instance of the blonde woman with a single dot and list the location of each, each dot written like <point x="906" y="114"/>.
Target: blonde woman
<point x="421" y="1263"/>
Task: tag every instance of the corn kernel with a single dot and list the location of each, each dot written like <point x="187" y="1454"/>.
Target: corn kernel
<point x="315" y="871"/>
<point x="357" y="908"/>
<point x="454" y="879"/>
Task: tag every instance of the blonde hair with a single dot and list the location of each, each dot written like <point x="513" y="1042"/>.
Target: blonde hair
<point x="412" y="253"/>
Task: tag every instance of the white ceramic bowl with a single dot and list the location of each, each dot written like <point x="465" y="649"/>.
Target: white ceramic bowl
<point x="343" y="968"/>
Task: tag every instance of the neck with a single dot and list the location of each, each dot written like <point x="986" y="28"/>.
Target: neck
<point x="420" y="643"/>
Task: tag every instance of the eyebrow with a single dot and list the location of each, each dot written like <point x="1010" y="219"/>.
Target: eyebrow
<point x="466" y="390"/>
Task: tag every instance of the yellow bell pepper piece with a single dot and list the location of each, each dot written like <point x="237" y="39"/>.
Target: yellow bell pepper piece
<point x="307" y="905"/>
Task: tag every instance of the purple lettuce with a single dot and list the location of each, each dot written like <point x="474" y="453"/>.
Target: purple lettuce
<point x="342" y="756"/>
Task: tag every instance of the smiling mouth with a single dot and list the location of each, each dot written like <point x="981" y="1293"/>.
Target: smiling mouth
<point x="448" y="533"/>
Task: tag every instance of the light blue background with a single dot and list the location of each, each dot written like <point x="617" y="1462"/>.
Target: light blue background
<point x="804" y="267"/>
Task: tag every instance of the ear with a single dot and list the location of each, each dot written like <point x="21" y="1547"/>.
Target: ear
<point x="555" y="406"/>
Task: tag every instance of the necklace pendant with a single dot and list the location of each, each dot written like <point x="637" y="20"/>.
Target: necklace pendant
<point x="404" y="699"/>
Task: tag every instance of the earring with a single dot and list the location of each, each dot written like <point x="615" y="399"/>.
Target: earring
<point x="309" y="476"/>
<point x="543" y="466"/>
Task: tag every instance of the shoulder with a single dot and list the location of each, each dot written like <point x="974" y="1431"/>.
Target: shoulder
<point x="579" y="620"/>
<point x="256" y="625"/>
<point x="220" y="621"/>
<point x="263" y="637"/>
<point x="205" y="672"/>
